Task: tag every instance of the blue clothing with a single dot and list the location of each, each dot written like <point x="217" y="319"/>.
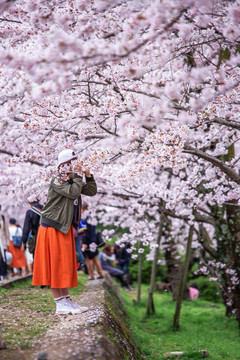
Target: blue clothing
<point x="106" y="265"/>
<point x="81" y="227"/>
<point x="105" y="262"/>
<point x="78" y="248"/>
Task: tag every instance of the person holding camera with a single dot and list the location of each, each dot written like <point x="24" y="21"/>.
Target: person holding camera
<point x="55" y="254"/>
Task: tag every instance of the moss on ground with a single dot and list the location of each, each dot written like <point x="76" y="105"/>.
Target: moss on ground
<point x="116" y="326"/>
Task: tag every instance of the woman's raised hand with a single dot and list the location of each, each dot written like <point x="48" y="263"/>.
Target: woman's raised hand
<point x="87" y="173"/>
<point x="78" y="168"/>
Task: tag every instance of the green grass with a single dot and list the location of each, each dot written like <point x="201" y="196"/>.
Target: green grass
<point x="202" y="327"/>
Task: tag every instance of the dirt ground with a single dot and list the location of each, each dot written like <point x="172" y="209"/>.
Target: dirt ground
<point x="93" y="335"/>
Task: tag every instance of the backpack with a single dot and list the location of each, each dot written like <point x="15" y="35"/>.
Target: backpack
<point x="17" y="239"/>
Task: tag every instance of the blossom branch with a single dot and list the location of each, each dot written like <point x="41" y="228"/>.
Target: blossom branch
<point x="233" y="175"/>
<point x="18" y="156"/>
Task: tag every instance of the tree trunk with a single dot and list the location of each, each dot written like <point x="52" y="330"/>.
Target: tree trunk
<point x="140" y="256"/>
<point x="182" y="285"/>
<point x="227" y="233"/>
<point x="150" y="304"/>
<point x="173" y="267"/>
<point x="233" y="220"/>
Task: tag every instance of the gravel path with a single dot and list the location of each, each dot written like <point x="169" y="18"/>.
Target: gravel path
<point x="75" y="335"/>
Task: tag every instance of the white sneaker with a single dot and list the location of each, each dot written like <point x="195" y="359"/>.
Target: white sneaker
<point x="76" y="307"/>
<point x="62" y="307"/>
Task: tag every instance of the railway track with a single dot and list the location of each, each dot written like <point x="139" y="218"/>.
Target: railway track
<point x="9" y="282"/>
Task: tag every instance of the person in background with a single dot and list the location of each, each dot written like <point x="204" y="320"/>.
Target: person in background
<point x="89" y="248"/>
<point x="78" y="234"/>
<point x="19" y="262"/>
<point x="30" y="227"/>
<point x="106" y="258"/>
<point x="193" y="291"/>
<point x="4" y="244"/>
<point x="55" y="255"/>
<point x="123" y="258"/>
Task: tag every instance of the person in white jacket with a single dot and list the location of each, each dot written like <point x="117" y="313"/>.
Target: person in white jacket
<point x="19" y="262"/>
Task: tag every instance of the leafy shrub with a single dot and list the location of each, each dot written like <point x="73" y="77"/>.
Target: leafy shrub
<point x="161" y="272"/>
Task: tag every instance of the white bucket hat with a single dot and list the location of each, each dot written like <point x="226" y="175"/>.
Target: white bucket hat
<point x="66" y="155"/>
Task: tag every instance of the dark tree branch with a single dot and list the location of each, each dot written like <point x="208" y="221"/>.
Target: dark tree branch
<point x="233" y="175"/>
<point x="205" y="241"/>
<point x="26" y="160"/>
<point x="198" y="217"/>
<point x="230" y="123"/>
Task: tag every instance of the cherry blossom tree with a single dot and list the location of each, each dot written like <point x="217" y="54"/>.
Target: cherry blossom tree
<point x="146" y="93"/>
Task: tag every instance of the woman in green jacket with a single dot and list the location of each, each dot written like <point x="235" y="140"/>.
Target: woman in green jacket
<point x="55" y="255"/>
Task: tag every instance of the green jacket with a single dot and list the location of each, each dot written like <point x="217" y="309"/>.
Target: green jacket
<point x="58" y="211"/>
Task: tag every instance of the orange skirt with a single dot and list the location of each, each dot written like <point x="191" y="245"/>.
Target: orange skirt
<point x="55" y="259"/>
<point x="18" y="257"/>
